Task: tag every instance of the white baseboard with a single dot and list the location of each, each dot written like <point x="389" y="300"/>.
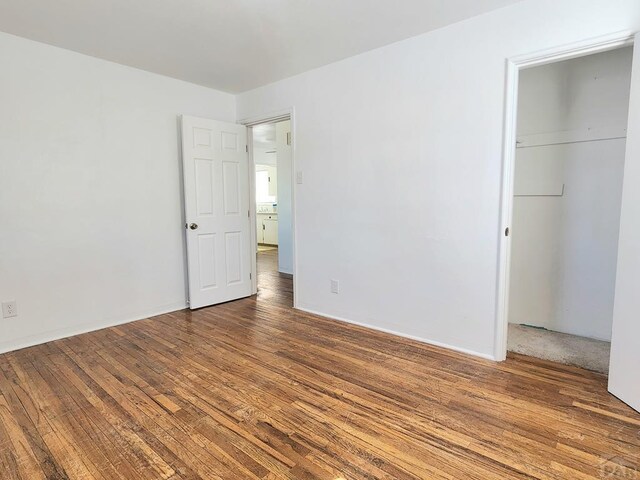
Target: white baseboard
<point x="400" y="334"/>
<point x="78" y="330"/>
<point x="52" y="335"/>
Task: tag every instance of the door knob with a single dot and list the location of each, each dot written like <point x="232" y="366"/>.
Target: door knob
<point x="193" y="226"/>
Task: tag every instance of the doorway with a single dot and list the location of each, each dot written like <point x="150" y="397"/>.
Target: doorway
<point x="569" y="166"/>
<point x="272" y="163"/>
<point x="562" y="201"/>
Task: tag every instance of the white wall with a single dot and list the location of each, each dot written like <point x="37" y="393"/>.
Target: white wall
<point x="564" y="248"/>
<point x="285" y="233"/>
<point x="91" y="228"/>
<point x="422" y="122"/>
<point x="264" y="156"/>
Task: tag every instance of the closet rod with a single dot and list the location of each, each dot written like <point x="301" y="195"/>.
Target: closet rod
<point x="561" y="194"/>
<point x="567" y="142"/>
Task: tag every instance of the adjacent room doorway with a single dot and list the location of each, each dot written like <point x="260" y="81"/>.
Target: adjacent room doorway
<point x="564" y="164"/>
<point x="271" y="159"/>
<point x="239" y="209"/>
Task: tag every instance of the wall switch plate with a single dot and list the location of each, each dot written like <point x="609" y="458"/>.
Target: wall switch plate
<point x="299" y="177"/>
<point x="9" y="309"/>
<point x="335" y="286"/>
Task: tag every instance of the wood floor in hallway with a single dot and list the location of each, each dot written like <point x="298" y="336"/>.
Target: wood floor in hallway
<point x="253" y="389"/>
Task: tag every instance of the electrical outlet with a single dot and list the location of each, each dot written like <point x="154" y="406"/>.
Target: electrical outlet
<point x="335" y="286"/>
<point x="299" y="177"/>
<point x="9" y="309"/>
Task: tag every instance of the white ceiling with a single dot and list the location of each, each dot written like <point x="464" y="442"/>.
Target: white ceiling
<point x="231" y="45"/>
<point x="264" y="136"/>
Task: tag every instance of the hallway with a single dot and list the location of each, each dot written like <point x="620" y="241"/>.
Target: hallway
<point x="273" y="286"/>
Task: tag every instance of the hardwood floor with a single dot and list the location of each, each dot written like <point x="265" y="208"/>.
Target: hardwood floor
<point x="273" y="287"/>
<point x="253" y="389"/>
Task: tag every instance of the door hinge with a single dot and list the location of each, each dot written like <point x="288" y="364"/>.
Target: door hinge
<point x="246" y="148"/>
<point x="249" y="213"/>
<point x="250" y="276"/>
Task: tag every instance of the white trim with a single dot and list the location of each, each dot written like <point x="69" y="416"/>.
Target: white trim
<point x="514" y="65"/>
<point x="274" y="117"/>
<point x="399" y="334"/>
<point x="574" y="50"/>
<point x="58" y="334"/>
<point x="253" y="230"/>
<point x="504" y="258"/>
<point x="271" y="117"/>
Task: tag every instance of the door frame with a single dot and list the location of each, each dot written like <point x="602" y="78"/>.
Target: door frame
<point x="514" y="65"/>
<point x="249" y="122"/>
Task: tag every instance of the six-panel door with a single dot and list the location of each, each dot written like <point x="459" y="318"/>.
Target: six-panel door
<point x="216" y="184"/>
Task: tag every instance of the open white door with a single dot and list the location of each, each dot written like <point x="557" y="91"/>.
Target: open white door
<point x="624" y="370"/>
<point x="216" y="190"/>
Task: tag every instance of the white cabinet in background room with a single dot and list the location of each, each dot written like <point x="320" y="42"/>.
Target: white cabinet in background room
<point x="266" y="184"/>
<point x="270" y="231"/>
<point x="267" y="225"/>
<point x="273" y="181"/>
